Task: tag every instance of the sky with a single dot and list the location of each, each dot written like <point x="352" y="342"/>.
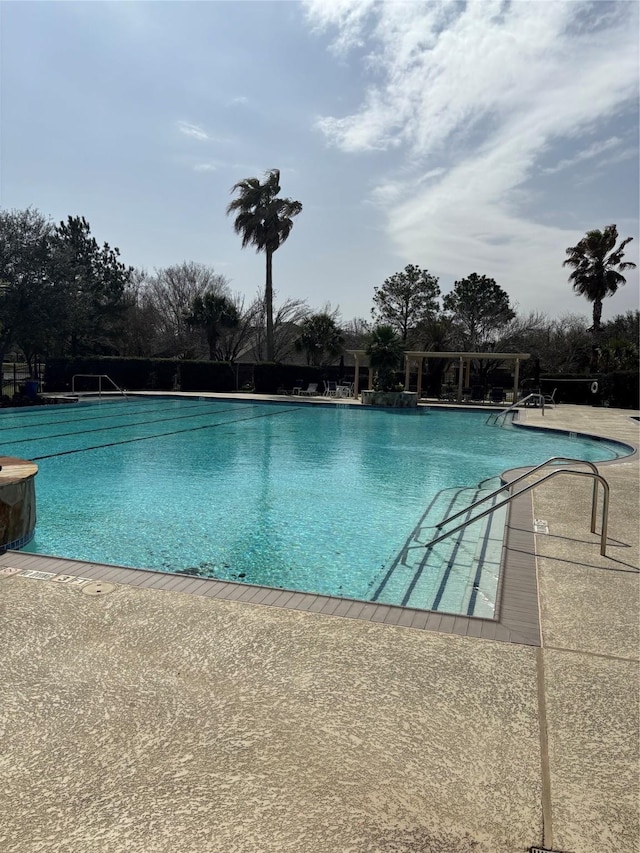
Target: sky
<point x="484" y="136"/>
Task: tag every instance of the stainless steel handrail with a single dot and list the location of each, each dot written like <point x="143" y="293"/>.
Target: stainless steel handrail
<point x="536" y="395"/>
<point x="552" y="459"/>
<point x="100" y="377"/>
<point x="549" y="476"/>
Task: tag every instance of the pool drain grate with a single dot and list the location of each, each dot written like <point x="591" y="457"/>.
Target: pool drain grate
<point x="33" y="575"/>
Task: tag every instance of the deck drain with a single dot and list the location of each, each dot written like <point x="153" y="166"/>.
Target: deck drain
<point x="33" y="575"/>
<point x="71" y="579"/>
<point x="98" y="588"/>
<point x="543" y="850"/>
<point x="8" y="570"/>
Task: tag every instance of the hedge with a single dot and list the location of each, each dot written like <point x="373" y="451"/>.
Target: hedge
<point x="619" y="389"/>
<point x="140" y="374"/>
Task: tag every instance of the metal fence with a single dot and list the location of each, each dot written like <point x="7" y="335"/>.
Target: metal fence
<point x="16" y="375"/>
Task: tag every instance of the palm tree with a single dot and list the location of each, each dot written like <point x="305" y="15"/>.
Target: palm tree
<point x="264" y="221"/>
<point x="213" y="312"/>
<point x="320" y="338"/>
<point x="597" y="266"/>
<point x="384" y="349"/>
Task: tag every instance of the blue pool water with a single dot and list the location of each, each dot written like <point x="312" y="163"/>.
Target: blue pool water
<point x="314" y="498"/>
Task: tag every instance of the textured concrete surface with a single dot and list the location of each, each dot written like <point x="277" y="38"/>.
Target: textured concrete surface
<point x="590" y="605"/>
<point x="602" y="591"/>
<point x="592" y="717"/>
<point x="150" y="721"/>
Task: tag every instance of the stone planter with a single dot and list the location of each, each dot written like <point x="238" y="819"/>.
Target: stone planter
<point x="17" y="502"/>
<point x="390" y="399"/>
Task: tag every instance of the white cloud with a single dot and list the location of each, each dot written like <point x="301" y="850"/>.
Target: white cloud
<point x="471" y="98"/>
<point x="586" y="154"/>
<point x="348" y="16"/>
<point x="192" y="130"/>
<point x="205" y="167"/>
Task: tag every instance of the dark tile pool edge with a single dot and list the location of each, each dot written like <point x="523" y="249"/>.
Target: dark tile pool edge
<point x="518" y="615"/>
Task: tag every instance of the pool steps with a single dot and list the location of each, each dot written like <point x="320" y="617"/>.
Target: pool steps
<point x="458" y="575"/>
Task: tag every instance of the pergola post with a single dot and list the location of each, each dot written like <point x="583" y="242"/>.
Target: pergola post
<point x="406" y="373"/>
<point x="419" y="385"/>
<point x="356" y="378"/>
<point x="516" y="379"/>
<point x="460" y="378"/>
<point x="370" y="377"/>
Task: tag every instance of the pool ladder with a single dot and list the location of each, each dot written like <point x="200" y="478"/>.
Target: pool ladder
<point x="99" y="377"/>
<point x="493" y="418"/>
<point x="592" y="474"/>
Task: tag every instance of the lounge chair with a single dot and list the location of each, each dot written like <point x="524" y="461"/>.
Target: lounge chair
<point x="497" y="395"/>
<point x="298" y="386"/>
<point x="477" y="394"/>
<point x="310" y="391"/>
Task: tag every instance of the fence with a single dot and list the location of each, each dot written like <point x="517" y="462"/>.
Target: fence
<point x="15" y="375"/>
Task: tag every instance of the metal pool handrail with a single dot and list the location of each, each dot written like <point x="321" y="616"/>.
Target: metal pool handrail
<point x="99" y="377"/>
<point x="605" y="506"/>
<point x="552" y="459"/>
<point x="496" y="415"/>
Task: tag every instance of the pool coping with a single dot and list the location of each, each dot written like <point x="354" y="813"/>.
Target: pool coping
<point x="518" y="619"/>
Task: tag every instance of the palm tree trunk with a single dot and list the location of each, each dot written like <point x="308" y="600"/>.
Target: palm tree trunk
<point x="268" y="299"/>
<point x="597" y="317"/>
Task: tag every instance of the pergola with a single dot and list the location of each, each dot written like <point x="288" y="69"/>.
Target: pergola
<point x="464" y="359"/>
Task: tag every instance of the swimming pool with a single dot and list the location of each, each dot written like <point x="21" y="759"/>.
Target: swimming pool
<point x="306" y="497"/>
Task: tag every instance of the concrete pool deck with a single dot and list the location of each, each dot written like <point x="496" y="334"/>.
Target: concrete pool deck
<point x="148" y="720"/>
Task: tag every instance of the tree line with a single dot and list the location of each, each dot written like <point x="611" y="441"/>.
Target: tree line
<point x="62" y="293"/>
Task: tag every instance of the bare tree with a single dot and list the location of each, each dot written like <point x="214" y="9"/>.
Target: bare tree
<point x="286" y="328"/>
<point x="141" y="320"/>
<point x="234" y="342"/>
<point x="169" y="295"/>
<point x="561" y="345"/>
<point x="356" y="332"/>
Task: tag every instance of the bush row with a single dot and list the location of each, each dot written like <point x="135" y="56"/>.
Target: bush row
<point x="140" y="374"/>
<point x="620" y="389"/>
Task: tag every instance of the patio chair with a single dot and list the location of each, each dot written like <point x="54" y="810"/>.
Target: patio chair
<point x="310" y="391"/>
<point x="448" y="392"/>
<point x="550" y="399"/>
<point x="477" y="394"/>
<point x="330" y="389"/>
<point x="345" y="389"/>
<point x="497" y="395"/>
<point x="298" y="386"/>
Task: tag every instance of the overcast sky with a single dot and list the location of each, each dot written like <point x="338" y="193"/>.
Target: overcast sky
<point x="481" y="137"/>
